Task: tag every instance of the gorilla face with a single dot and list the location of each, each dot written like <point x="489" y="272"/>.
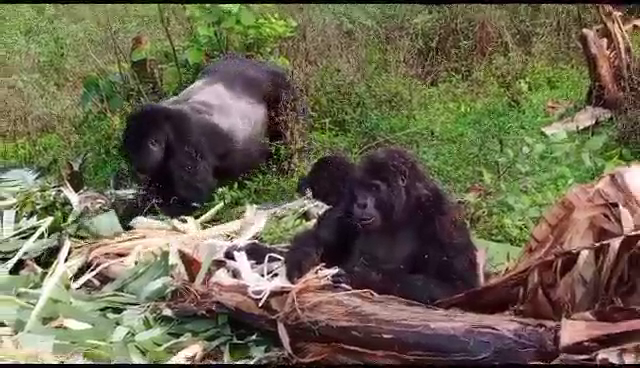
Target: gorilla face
<point x="149" y="155"/>
<point x="191" y="176"/>
<point x="378" y="195"/>
<point x="145" y="140"/>
<point x="368" y="203"/>
<point x="161" y="148"/>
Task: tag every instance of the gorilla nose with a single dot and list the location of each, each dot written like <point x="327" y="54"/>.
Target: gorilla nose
<point x="361" y="205"/>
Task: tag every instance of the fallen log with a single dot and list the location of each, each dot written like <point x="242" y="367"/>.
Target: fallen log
<point x="317" y="323"/>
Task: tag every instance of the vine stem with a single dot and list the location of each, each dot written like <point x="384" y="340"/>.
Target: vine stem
<point x="173" y="48"/>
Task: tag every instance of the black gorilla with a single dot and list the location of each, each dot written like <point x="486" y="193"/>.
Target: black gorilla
<point x="328" y="179"/>
<point x="394" y="232"/>
<point x="216" y="130"/>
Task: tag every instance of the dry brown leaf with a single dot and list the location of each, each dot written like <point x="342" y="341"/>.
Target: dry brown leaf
<point x="583" y="337"/>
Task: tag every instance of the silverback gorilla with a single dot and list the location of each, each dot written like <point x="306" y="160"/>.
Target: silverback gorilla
<point x="394" y="232"/>
<point x="216" y="130"/>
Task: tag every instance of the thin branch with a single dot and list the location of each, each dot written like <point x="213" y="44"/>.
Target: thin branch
<point x="120" y="54"/>
<point x="173" y="48"/>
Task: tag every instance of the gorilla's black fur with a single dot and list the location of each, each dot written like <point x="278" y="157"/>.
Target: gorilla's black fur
<point x="394" y="232"/>
<point x="328" y="179"/>
<point x="216" y="130"/>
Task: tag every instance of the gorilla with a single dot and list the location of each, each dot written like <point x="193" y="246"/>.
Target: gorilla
<point x="215" y="131"/>
<point x="327" y="179"/>
<point x="394" y="231"/>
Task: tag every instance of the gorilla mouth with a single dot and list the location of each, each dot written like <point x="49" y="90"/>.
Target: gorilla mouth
<point x="366" y="220"/>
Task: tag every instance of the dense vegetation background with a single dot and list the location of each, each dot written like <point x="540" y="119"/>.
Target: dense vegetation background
<point x="463" y="86"/>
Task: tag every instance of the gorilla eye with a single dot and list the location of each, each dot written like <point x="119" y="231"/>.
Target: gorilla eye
<point x="154" y="144"/>
<point x="376" y="186"/>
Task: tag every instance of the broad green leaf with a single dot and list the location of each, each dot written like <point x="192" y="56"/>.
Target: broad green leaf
<point x="10" y="246"/>
<point x="48" y="285"/>
<point x="136" y="280"/>
<point x="559" y="136"/>
<point x="120" y="353"/>
<point x="36" y="342"/>
<point x="40" y="246"/>
<point x="119" y="334"/>
<point x="156" y="289"/>
<point x="222" y="319"/>
<point x="195" y="55"/>
<point x="96" y="320"/>
<point x="204" y="30"/>
<point x="115" y="102"/>
<point x="139" y="54"/>
<point x="230" y="8"/>
<point x="199" y="325"/>
<point x="596" y="142"/>
<point x="151" y="334"/>
<point x="586" y="159"/>
<point x="44" y="224"/>
<point x="102" y="300"/>
<point x="104" y="225"/>
<point x="229" y="22"/>
<point x="182" y="341"/>
<point x="9" y="284"/>
<point x="9" y="307"/>
<point x="8" y="223"/>
<point x="497" y="253"/>
<point x="247" y="18"/>
<point x="171" y="79"/>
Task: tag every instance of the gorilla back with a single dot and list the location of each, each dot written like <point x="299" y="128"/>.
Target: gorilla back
<point x="212" y="133"/>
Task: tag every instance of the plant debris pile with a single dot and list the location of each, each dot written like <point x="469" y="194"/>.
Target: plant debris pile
<point x="572" y="296"/>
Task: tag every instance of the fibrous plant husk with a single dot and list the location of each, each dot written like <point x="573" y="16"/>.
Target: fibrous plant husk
<point x="609" y="55"/>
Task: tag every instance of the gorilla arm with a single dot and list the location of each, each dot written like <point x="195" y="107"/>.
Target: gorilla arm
<point x="329" y="241"/>
<point x="437" y="268"/>
<point x="423" y="287"/>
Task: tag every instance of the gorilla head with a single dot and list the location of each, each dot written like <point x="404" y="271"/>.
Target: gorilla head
<point x="171" y="157"/>
<point x="388" y="187"/>
<point x="328" y="179"/>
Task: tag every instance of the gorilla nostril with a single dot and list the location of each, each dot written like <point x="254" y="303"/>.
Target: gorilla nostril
<point x="361" y="205"/>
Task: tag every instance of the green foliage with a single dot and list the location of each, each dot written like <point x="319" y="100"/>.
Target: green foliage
<point x="220" y="28"/>
<point x="51" y="316"/>
<point x="522" y="192"/>
<point x="105" y="93"/>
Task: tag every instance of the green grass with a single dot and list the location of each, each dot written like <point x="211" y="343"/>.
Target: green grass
<point x="479" y="126"/>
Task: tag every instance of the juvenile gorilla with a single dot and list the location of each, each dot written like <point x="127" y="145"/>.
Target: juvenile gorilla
<point x="212" y="133"/>
<point x="394" y="231"/>
<point x="328" y="179"/>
